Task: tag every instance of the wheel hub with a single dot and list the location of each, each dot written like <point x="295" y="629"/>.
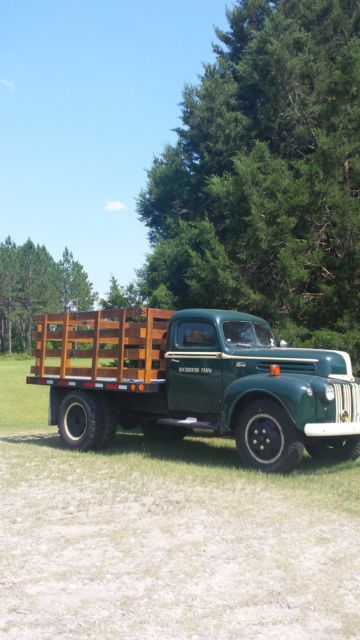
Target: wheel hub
<point x="264" y="438"/>
<point x="75" y="421"/>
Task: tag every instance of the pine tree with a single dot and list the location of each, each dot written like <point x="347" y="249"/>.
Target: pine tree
<point x="76" y="292"/>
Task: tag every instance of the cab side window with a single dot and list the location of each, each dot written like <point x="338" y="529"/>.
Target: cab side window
<point x="192" y="334"/>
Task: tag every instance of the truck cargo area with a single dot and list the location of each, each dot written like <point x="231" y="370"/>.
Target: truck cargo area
<point x="113" y="350"/>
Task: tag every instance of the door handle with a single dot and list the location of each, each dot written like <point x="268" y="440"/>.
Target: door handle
<point x="173" y="360"/>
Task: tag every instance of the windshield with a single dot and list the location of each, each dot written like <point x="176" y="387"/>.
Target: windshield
<point x="240" y="333"/>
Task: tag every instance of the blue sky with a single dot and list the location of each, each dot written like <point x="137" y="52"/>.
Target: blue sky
<point x="89" y="93"/>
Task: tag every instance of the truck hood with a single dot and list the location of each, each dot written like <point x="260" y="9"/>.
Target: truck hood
<point x="328" y="364"/>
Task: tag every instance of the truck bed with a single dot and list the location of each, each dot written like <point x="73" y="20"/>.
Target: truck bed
<point x="117" y="349"/>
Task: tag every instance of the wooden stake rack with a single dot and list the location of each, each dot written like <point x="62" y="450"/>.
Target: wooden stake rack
<point x="118" y="344"/>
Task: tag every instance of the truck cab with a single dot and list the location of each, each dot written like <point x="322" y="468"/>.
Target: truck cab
<point x="225" y="370"/>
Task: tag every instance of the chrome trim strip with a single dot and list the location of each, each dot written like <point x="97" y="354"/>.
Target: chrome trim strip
<point x="224" y="356"/>
<point x="338" y="401"/>
<point x="214" y="355"/>
<point x="341" y="376"/>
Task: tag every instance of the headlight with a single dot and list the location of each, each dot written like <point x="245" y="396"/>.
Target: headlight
<point x="329" y="392"/>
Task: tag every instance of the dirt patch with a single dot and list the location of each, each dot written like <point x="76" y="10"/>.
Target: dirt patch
<point x="99" y="555"/>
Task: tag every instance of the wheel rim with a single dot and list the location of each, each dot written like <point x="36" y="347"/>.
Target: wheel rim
<point x="264" y="438"/>
<point x="75" y="421"/>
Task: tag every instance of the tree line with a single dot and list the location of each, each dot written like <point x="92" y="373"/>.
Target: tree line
<point x="31" y="282"/>
<point x="256" y="206"/>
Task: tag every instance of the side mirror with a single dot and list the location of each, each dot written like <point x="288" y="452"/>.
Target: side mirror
<point x="283" y="344"/>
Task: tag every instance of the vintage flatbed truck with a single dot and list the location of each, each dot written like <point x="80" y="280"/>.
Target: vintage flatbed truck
<point x="195" y="372"/>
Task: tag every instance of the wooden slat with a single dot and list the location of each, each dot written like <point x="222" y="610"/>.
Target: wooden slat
<point x="79" y="325"/>
<point x="82" y="315"/>
<point x="43" y="347"/>
<point x="108" y="336"/>
<point x="96" y="345"/>
<point x="148" y="346"/>
<point x="79" y="353"/>
<point x="140" y="354"/>
<point x="64" y="349"/>
<point x="130" y="312"/>
<point x="135" y="342"/>
<point x="162" y="313"/>
<point x="121" y="346"/>
<point x="108" y="372"/>
<point x="137" y="331"/>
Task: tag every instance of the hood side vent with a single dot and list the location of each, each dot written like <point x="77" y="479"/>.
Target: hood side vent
<point x="289" y="367"/>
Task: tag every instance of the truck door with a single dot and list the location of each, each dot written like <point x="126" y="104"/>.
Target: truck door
<point x="194" y="369"/>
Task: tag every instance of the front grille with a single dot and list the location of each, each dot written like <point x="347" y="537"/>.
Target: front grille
<point x="347" y="398"/>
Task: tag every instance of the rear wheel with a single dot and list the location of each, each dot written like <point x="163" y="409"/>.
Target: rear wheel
<point x="267" y="439"/>
<point x="336" y="449"/>
<point x="110" y="423"/>
<point x="80" y="421"/>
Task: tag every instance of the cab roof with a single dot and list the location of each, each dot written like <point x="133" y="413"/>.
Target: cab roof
<point x="219" y="315"/>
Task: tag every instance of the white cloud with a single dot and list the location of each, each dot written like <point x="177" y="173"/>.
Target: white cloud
<point x="7" y="84"/>
<point x="114" y="205"/>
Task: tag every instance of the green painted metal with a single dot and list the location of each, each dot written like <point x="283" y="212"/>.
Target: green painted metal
<point x="219" y="379"/>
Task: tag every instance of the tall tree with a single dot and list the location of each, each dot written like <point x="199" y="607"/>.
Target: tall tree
<point x="76" y="290"/>
<point x="30" y="283"/>
<point x="9" y="290"/>
<point x="120" y="297"/>
<point x="268" y="158"/>
<point x="39" y="286"/>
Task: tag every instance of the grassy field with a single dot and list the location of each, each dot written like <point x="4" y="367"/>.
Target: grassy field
<point x="23" y="411"/>
<point x="167" y="541"/>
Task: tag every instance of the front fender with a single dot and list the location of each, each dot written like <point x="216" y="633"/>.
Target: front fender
<point x="291" y="391"/>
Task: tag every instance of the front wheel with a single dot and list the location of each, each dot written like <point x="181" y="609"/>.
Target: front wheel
<point x="334" y="449"/>
<point x="267" y="439"/>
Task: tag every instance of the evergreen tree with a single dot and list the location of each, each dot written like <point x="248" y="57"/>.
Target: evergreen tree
<point x="39" y="286"/>
<point x="268" y="158"/>
<point x="30" y="283"/>
<point x="121" y="297"/>
<point x="9" y="291"/>
<point x="76" y="292"/>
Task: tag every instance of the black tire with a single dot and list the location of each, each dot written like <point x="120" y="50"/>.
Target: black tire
<point x="80" y="421"/>
<point x="110" y="421"/>
<point x="162" y="433"/>
<point x="334" y="449"/>
<point x="267" y="439"/>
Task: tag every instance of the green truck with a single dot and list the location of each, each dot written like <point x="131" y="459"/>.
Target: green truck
<point x="219" y="373"/>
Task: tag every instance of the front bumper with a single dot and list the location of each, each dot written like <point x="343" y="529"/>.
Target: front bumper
<point x="326" y="429"/>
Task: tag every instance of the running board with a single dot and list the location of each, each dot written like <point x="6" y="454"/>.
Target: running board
<point x="190" y="423"/>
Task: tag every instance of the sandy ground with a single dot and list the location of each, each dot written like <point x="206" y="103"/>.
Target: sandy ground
<point x="103" y="559"/>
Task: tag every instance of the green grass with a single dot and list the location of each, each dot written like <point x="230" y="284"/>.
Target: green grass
<point x="214" y="462"/>
<point x="22" y="407"/>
